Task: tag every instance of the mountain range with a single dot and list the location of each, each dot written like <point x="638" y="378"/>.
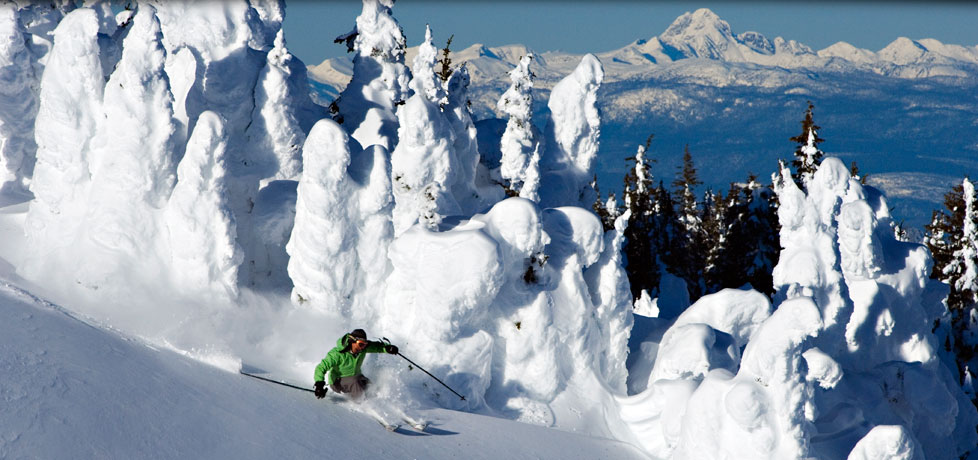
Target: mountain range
<point x="905" y="114"/>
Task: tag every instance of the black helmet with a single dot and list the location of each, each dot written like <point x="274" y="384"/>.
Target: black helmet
<point x="355" y="334"/>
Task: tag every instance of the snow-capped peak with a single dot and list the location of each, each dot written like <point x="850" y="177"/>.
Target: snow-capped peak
<point x="756" y="42"/>
<point x="848" y="52"/>
<point x="700" y="22"/>
<point x="903" y="51"/>
<point x="701" y="34"/>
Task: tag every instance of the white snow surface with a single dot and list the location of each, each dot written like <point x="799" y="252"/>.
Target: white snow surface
<point x="158" y="235"/>
<point x="75" y="388"/>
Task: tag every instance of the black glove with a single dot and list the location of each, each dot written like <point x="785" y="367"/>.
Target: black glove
<point x="392" y="349"/>
<point x="320" y="389"/>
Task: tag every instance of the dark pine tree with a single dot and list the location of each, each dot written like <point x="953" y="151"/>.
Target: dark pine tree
<point x="763" y="230"/>
<point x="716" y="225"/>
<point x="807" y="154"/>
<point x="640" y="247"/>
<point x="950" y="245"/>
<point x="688" y="254"/>
<point x="446" y="61"/>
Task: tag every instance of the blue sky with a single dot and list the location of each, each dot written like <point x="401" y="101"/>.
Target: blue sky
<point x="591" y="26"/>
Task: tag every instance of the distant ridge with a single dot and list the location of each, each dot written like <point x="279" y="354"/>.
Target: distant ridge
<point x="704" y="35"/>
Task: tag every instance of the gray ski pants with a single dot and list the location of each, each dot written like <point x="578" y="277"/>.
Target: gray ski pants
<point x="354" y="385"/>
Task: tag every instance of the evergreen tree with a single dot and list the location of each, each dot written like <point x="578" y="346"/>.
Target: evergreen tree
<point x="131" y="176"/>
<point x="668" y="232"/>
<point x="274" y="134"/>
<point x="854" y="172"/>
<point x="688" y="252"/>
<point x="446" y="62"/>
<point x="715" y="233"/>
<point x="807" y="155"/>
<point x="198" y="215"/>
<point x="425" y="79"/>
<point x="571" y="137"/>
<point x="943" y="238"/>
<point x="642" y="239"/>
<point x="474" y="189"/>
<point x="519" y="141"/>
<point x="952" y="237"/>
<point x="323" y="247"/>
<point x="762" y="231"/>
<point x="71" y="91"/>
<point x="740" y="232"/>
<point x="730" y="242"/>
<point x="366" y="108"/>
<point x="962" y="272"/>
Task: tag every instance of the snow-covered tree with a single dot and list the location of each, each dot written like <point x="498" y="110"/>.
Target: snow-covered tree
<point x="227" y="39"/>
<point x="963" y="269"/>
<point x="474" y="190"/>
<point x="642" y="235"/>
<point x="229" y="43"/>
<point x="323" y="258"/>
<point x="519" y="140"/>
<point x="424" y="166"/>
<point x="608" y="285"/>
<point x="133" y="166"/>
<point x="18" y="104"/>
<point x="275" y="136"/>
<point x="571" y="137"/>
<point x="70" y="106"/>
<point x="366" y="108"/>
<point x="799" y="272"/>
<point x="833" y="332"/>
<point x="807" y="155"/>
<point x="425" y="80"/>
<point x="951" y="238"/>
<point x="205" y="254"/>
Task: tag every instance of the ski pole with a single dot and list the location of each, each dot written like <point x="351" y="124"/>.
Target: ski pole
<point x="388" y="342"/>
<point x="286" y="384"/>
<point x="432" y="376"/>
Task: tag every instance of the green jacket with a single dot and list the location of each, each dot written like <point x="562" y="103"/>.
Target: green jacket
<point x="340" y="362"/>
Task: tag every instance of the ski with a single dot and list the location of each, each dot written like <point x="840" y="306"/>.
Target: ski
<point x="388" y="426"/>
<point x="416" y="425"/>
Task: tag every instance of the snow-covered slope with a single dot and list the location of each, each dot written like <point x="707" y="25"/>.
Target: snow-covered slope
<point x="78" y="390"/>
<point x="896" y="110"/>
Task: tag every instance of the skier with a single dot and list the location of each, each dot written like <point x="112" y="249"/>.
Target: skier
<point x="343" y="364"/>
